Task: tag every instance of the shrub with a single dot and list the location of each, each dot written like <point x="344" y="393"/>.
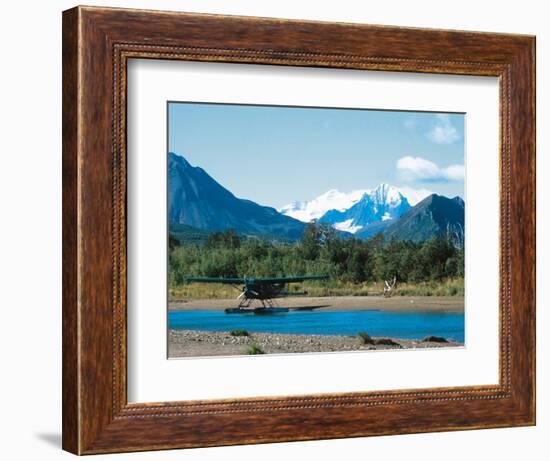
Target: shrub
<point x="239" y="333"/>
<point x="453" y="291"/>
<point x="365" y="337"/>
<point x="387" y="342"/>
<point x="357" y="267"/>
<point x="254" y="349"/>
<point x="435" y="339"/>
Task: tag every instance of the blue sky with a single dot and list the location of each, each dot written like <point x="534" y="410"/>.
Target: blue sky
<point x="275" y="154"/>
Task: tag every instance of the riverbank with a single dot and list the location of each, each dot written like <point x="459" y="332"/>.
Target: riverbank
<point x="442" y="304"/>
<point x="191" y="343"/>
<point x="453" y="287"/>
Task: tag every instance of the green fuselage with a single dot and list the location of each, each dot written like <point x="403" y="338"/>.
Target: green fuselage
<point x="263" y="290"/>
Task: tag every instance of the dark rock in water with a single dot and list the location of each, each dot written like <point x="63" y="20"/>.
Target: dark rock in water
<point x="386" y="342"/>
<point x="434" y="339"/>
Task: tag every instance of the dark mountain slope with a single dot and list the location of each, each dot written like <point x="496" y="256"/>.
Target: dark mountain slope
<point x="197" y="200"/>
<point x="434" y="216"/>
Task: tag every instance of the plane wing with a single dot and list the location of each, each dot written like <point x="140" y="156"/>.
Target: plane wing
<point x="227" y="280"/>
<point x="236" y="280"/>
<point x="295" y="279"/>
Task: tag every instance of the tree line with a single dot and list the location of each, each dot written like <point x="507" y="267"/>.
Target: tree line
<point x="320" y="252"/>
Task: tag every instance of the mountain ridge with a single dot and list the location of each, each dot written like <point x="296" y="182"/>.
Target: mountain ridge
<point x="384" y="203"/>
<point x="198" y="200"/>
<point x="333" y="199"/>
<point x="436" y="215"/>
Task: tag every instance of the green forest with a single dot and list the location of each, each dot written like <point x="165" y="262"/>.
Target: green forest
<point x="354" y="266"/>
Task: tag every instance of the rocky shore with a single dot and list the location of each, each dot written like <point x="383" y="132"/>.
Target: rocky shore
<point x="191" y="343"/>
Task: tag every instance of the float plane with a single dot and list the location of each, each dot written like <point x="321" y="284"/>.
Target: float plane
<point x="263" y="289"/>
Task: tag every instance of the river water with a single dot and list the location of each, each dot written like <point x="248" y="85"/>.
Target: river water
<point x="377" y="323"/>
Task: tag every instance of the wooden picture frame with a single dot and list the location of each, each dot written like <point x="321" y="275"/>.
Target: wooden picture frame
<point x="97" y="43"/>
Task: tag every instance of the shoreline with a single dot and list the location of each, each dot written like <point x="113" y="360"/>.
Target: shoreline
<point x="195" y="343"/>
<point x="440" y="304"/>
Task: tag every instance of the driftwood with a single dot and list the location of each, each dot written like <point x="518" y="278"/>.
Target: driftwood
<point x="389" y="287"/>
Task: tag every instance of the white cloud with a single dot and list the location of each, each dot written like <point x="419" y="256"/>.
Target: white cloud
<point x="443" y="131"/>
<point x="422" y="170"/>
<point x="413" y="195"/>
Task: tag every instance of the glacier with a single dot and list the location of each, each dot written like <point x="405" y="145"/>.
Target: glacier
<point x="353" y="211"/>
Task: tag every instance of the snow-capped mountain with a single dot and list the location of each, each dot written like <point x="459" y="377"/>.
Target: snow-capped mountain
<point x="352" y="212"/>
<point x="381" y="205"/>
<point x="307" y="211"/>
<point x="197" y="203"/>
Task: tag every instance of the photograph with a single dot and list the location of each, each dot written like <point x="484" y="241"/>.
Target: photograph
<point x="313" y="229"/>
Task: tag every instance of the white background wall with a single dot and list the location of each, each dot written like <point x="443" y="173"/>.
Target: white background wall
<point x="30" y="229"/>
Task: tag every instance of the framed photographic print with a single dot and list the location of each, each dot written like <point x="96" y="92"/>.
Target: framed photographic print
<point x="284" y="230"/>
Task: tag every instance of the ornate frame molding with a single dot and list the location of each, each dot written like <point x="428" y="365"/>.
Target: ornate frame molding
<point x="97" y="44"/>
